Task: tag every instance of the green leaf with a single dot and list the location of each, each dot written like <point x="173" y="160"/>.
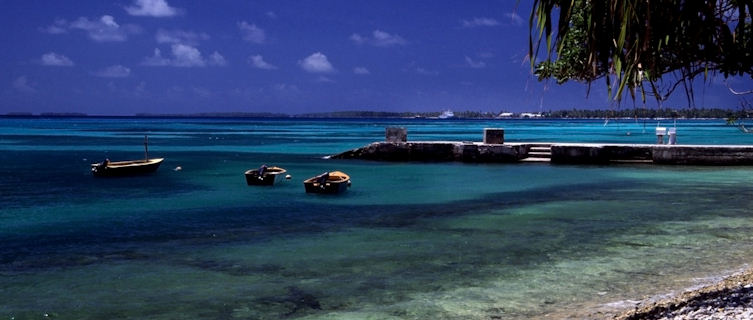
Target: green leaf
<point x="623" y="33"/>
<point x="617" y="65"/>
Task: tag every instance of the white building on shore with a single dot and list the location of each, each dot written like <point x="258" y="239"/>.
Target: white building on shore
<point x="447" y="115"/>
<point x="531" y="115"/>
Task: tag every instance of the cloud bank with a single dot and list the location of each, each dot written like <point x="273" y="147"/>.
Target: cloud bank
<point x="184" y="56"/>
<point x="104" y="29"/>
<point x="180" y="36"/>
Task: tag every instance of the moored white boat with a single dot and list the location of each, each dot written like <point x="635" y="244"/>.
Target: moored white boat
<point x="265" y="176"/>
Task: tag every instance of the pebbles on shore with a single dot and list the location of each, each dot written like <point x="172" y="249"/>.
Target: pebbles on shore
<point x="731" y="298"/>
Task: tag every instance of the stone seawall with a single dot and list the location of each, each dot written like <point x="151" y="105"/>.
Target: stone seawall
<point x="598" y="153"/>
<point x="703" y="155"/>
<point x="566" y="153"/>
<point x="436" y="151"/>
<point x="658" y="154"/>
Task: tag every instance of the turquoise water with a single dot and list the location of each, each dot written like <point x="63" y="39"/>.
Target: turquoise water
<point x="407" y="241"/>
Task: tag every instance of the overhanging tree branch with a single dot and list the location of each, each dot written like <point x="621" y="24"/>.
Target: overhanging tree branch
<point x="637" y="41"/>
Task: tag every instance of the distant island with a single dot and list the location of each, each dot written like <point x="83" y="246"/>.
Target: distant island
<point x="46" y="114"/>
<point x="642" y="113"/>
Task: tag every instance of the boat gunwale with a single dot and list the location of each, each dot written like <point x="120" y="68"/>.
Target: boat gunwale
<point x="268" y="171"/>
<point x="340" y="177"/>
<point x="130" y="163"/>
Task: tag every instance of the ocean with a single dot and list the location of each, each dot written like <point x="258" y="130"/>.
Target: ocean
<point x="409" y="240"/>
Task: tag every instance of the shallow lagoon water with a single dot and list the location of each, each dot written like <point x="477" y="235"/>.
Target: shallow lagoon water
<point x="408" y="241"/>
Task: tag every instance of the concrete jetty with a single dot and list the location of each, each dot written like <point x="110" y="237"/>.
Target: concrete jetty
<point x="570" y="153"/>
<point x="399" y="149"/>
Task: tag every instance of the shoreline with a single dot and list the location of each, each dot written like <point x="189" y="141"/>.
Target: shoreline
<point x="731" y="297"/>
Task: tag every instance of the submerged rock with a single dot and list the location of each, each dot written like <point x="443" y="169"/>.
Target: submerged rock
<point x="294" y="301"/>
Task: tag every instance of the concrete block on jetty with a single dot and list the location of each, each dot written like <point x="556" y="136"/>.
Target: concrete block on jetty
<point x="494" y="135"/>
<point x="395" y="134"/>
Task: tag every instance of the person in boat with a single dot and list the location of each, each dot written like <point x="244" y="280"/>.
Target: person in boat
<point x="105" y="163"/>
<point x="322" y="179"/>
<point x="261" y="171"/>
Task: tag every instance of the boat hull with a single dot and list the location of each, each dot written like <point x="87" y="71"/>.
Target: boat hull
<point x="126" y="168"/>
<point x="336" y="182"/>
<point x="328" y="188"/>
<point x="270" y="177"/>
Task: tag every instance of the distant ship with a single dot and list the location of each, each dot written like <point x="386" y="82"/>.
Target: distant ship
<point x="446" y="115"/>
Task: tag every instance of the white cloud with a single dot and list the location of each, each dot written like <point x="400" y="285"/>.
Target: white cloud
<point x="56" y="60"/>
<point x="152" y="8"/>
<point x="216" y="59"/>
<point x="379" y="39"/>
<point x="475" y="64"/>
<point x="252" y="33"/>
<point x="357" y="38"/>
<point x="480" y="22"/>
<point x="271" y="14"/>
<point x="425" y="72"/>
<point x="384" y="39"/>
<point x="316" y="63"/>
<point x="515" y="19"/>
<point x="184" y="56"/>
<point x="323" y="79"/>
<point x="22" y="84"/>
<point x="104" y="29"/>
<point x="115" y="71"/>
<point x="60" y="26"/>
<point x="156" y="60"/>
<point x="361" y="70"/>
<point x="180" y="36"/>
<point x="258" y="62"/>
<point x="187" y="56"/>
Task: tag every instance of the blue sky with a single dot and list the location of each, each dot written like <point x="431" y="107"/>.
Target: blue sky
<point x="172" y="56"/>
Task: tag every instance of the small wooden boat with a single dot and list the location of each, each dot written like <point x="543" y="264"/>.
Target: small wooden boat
<point x="125" y="168"/>
<point x="108" y="168"/>
<point x="328" y="182"/>
<point x="265" y="176"/>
